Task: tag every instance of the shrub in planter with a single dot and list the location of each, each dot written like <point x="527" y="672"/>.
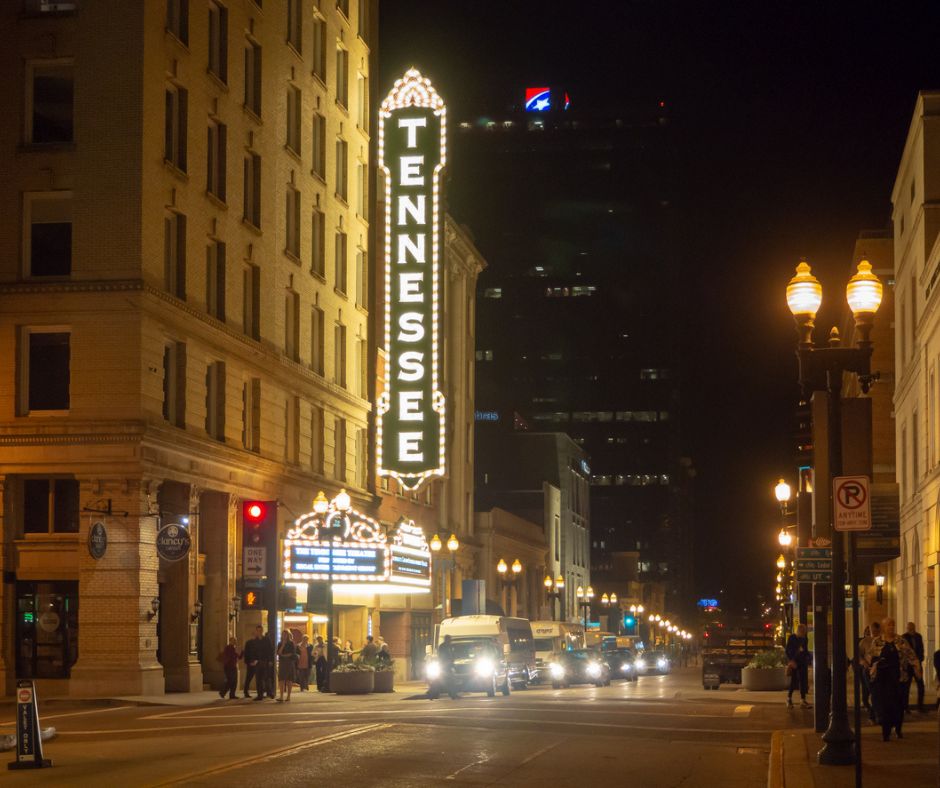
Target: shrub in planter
<point x="384" y="674"/>
<point x="353" y="678"/>
<point x="767" y="671"/>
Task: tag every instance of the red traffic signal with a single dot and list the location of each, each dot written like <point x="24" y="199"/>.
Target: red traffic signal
<point x="254" y="511"/>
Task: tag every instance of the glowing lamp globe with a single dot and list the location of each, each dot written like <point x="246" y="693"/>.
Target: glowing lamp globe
<point x="804" y="293"/>
<point x="613" y="599"/>
<point x="782" y="491"/>
<point x="864" y="290"/>
<point x="453" y="544"/>
<point x="516" y="567"/>
<point x="781" y="562"/>
<point x="320" y="503"/>
<point x="548" y="581"/>
<point x="501" y="567"/>
<point x="435" y="543"/>
<point x="559" y="582"/>
<point x="785" y="538"/>
<point x="342" y="501"/>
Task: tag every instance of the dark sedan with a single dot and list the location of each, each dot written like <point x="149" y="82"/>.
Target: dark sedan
<point x="622" y="662"/>
<point x="579" y="667"/>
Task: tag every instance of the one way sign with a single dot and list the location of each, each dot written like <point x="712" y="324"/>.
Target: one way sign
<point x="851" y="503"/>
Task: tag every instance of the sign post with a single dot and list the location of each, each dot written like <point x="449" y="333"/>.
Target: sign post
<point x="28" y="737"/>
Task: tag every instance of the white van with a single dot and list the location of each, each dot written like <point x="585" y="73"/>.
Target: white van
<point x="552" y="637"/>
<point x="512" y="636"/>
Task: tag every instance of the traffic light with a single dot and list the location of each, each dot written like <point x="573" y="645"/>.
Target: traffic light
<point x="629" y="625"/>
<point x="259" y="556"/>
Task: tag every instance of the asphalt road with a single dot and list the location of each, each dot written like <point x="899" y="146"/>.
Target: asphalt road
<point x="639" y="734"/>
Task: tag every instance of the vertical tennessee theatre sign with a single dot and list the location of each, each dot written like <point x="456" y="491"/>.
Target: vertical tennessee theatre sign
<point x="410" y="412"/>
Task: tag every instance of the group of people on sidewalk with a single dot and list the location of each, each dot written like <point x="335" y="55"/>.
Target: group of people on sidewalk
<point x="294" y="662"/>
<point x="889" y="664"/>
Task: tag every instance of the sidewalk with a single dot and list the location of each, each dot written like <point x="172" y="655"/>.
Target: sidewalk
<point x="911" y="761"/>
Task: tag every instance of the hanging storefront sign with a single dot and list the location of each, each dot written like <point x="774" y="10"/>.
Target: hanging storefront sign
<point x="97" y="540"/>
<point x="173" y="542"/>
<point x="352" y="550"/>
<point x="410" y="410"/>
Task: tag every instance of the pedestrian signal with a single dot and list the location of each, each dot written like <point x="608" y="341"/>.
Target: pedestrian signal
<point x="251" y="600"/>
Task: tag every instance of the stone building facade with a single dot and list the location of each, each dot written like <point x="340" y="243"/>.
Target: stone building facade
<point x="184" y="316"/>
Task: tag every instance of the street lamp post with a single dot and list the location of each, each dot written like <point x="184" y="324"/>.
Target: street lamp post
<point x="554" y="589"/>
<point x="508" y="581"/>
<point x="609" y="603"/>
<point x="804" y="295"/>
<point x="446" y="565"/>
<point x="585" y="596"/>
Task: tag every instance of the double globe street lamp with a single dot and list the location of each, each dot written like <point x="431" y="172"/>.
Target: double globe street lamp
<point x="553" y="590"/>
<point x="446" y="565"/>
<point x="585" y="597"/>
<point x="508" y="582"/>
<point x="821" y="369"/>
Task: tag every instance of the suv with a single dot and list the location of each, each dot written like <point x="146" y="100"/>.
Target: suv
<point x="477" y="667"/>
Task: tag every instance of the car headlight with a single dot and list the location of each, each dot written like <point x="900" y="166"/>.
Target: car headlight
<point x="484" y="667"/>
<point x="433" y="670"/>
<point x="625" y="667"/>
<point x="640" y="664"/>
<point x="557" y="671"/>
<point x="662" y="663"/>
<point x="594" y="670"/>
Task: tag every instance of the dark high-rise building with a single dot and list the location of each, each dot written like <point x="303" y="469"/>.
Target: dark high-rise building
<point x="579" y="313"/>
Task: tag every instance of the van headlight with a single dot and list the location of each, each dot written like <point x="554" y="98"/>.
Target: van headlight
<point x="662" y="664"/>
<point x="433" y="670"/>
<point x="640" y="664"/>
<point x="625" y="667"/>
<point x="557" y="671"/>
<point x="484" y="667"/>
<point x="594" y="670"/>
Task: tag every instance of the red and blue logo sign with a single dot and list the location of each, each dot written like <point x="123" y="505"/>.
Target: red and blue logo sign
<point x="538" y="99"/>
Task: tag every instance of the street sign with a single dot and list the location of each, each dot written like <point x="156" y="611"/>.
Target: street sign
<point x="851" y="503"/>
<point x="97" y="540"/>
<point x="813" y="565"/>
<point x="255" y="562"/>
<point x="173" y="542"/>
<point x="28" y="734"/>
<point x="814" y="577"/>
<point x="814" y="552"/>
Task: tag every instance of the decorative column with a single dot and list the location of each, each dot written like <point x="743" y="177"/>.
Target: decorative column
<point x="217" y="512"/>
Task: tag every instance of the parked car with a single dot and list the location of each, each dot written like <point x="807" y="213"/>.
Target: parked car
<point x="579" y="667"/>
<point x="622" y="662"/>
<point x="652" y="663"/>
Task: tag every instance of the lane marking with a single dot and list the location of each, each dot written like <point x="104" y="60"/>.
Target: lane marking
<point x="544" y="750"/>
<point x="45" y="717"/>
<point x="742" y="711"/>
<point x="617" y="726"/>
<point x="281" y="752"/>
<point x="453" y="776"/>
<point x="279" y="713"/>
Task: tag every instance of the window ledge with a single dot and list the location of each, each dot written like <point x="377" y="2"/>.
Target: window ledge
<point x="181" y="174"/>
<point x="341" y="199"/>
<point x="251" y="226"/>
<point x="340" y="293"/>
<point x="364" y="132"/>
<point x="292" y="256"/>
<point x="252" y="114"/>
<point x="179" y="41"/>
<point x="294" y="49"/>
<point x="318" y="275"/>
<point x="361" y="309"/>
<point x="46" y="147"/>
<point x="342" y="107"/>
<point x="218" y="202"/>
<point x="294" y="154"/>
<point x="46" y="414"/>
<point x="218" y="79"/>
<point x="321" y="78"/>
<point x="320" y="177"/>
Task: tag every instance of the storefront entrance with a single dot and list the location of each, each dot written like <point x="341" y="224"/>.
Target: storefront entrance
<point x="46" y="628"/>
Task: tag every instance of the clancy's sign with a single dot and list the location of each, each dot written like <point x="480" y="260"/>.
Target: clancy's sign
<point x="410" y="412"/>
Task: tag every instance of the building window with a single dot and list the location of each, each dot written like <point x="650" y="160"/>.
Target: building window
<point x="292" y="325"/>
<point x="915" y="452"/>
<point x="316" y="439"/>
<point x="174" y="131"/>
<point x="340" y="262"/>
<point x="47" y="236"/>
<point x="46" y="362"/>
<point x="46" y="627"/>
<point x="319" y="145"/>
<point x="292" y="213"/>
<point x="174" y="254"/>
<point x="362" y="456"/>
<point x="295" y="23"/>
<point x="362" y="363"/>
<point x="251" y="301"/>
<point x="177" y="19"/>
<point x="364" y="11"/>
<point x="339" y="450"/>
<point x="318" y="243"/>
<point x="292" y="430"/>
<point x="215" y="159"/>
<point x="215" y="280"/>
<point x="342" y="184"/>
<point x="362" y="85"/>
<point x="218" y="41"/>
<point x="50" y="94"/>
<point x="316" y="340"/>
<point x="342" y="77"/>
<point x="174" y="383"/>
<point x="343" y="7"/>
<point x="339" y="355"/>
<point x="319" y="48"/>
<point x="50" y="506"/>
<point x="215" y="400"/>
<point x="251" y="414"/>
<point x="362" y="277"/>
<point x="252" y="203"/>
<point x="362" y="183"/>
<point x="253" y="78"/>
<point x="294" y="108"/>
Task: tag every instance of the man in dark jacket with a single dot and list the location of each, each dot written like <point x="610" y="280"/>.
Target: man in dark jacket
<point x="251" y="656"/>
<point x="916" y="642"/>
<point x="266" y="666"/>
<point x="798" y="661"/>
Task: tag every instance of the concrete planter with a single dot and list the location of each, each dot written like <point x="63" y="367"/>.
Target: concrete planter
<point x="384" y="681"/>
<point x="764" y="679"/>
<point x="359" y="682"/>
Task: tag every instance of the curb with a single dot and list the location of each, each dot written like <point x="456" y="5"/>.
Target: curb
<point x="775" y="772"/>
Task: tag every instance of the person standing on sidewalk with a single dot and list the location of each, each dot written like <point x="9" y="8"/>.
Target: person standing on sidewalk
<point x="250" y="655"/>
<point x="286" y="660"/>
<point x="916" y="641"/>
<point x="872" y="631"/>
<point x="798" y="663"/>
<point x="890" y="657"/>
<point x="304" y="661"/>
<point x="319" y="663"/>
<point x="229" y="657"/>
<point x="265" y="667"/>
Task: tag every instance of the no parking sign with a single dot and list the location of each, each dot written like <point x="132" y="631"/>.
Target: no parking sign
<point x="851" y="503"/>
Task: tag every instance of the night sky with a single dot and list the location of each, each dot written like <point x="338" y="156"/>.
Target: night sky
<point x="791" y="125"/>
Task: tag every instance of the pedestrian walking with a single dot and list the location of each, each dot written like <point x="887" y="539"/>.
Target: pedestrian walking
<point x="229" y="658"/>
<point x="864" y="647"/>
<point x="319" y="663"/>
<point x="369" y="650"/>
<point x="251" y="655"/>
<point x="890" y="657"/>
<point x="304" y="662"/>
<point x="797" y="650"/>
<point x="286" y="660"/>
<point x="916" y="641"/>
